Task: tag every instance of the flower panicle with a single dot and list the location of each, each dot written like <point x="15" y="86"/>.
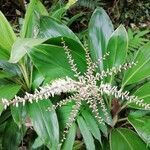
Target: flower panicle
<point x="56" y="88"/>
<point x="114" y="70"/>
<point x="109" y="90"/>
<point x="70" y="58"/>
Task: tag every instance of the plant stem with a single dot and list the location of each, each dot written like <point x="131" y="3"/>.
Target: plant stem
<point x="122" y="119"/>
<point x="31" y="74"/>
<point x="25" y="75"/>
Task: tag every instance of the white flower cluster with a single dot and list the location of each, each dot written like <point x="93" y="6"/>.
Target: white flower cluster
<point x="56" y="88"/>
<point x="109" y="90"/>
<point x="114" y="70"/>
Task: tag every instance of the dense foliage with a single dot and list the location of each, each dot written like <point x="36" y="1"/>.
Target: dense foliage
<point x="59" y="90"/>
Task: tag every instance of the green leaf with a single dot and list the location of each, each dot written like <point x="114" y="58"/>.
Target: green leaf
<point x="139" y="113"/>
<point x="141" y="70"/>
<point x="37" y="143"/>
<point x="117" y="47"/>
<point x="92" y="125"/>
<point x="142" y="93"/>
<point x="100" y="29"/>
<point x="68" y="145"/>
<point x="51" y="28"/>
<point x="21" y="47"/>
<point x="31" y="23"/>
<point x="142" y="127"/>
<point x="11" y="69"/>
<point x="58" y="14"/>
<point x="19" y="115"/>
<point x="4" y="54"/>
<point x="52" y="61"/>
<point x="63" y="115"/>
<point x="12" y="136"/>
<point x="37" y="79"/>
<point x="7" y="35"/>
<point x="4" y="74"/>
<point x="125" y="139"/>
<point x="8" y="92"/>
<point x="88" y="139"/>
<point x="45" y="123"/>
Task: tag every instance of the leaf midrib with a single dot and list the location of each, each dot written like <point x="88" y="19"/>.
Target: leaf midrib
<point x="125" y="139"/>
<point x="135" y="72"/>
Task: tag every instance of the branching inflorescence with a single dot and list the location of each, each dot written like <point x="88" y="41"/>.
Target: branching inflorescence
<point x="88" y="88"/>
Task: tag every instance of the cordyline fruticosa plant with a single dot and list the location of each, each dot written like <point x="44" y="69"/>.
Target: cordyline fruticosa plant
<point x="58" y="93"/>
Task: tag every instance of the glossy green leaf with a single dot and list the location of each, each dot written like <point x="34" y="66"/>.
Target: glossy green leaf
<point x="87" y="137"/>
<point x="142" y="93"/>
<point x="21" y="47"/>
<point x="4" y="54"/>
<point x="8" y="92"/>
<point x="12" y="136"/>
<point x="31" y="23"/>
<point x="100" y="30"/>
<point x="142" y="69"/>
<point x="68" y="145"/>
<point x="63" y="115"/>
<point x="37" y="79"/>
<point x="37" y="143"/>
<point x="139" y="113"/>
<point x="19" y="115"/>
<point x="51" y="28"/>
<point x="142" y="127"/>
<point x="10" y="69"/>
<point x="117" y="47"/>
<point x="52" y="61"/>
<point x="7" y="35"/>
<point x="125" y="139"/>
<point x="92" y="125"/>
<point x="45" y="123"/>
<point x="4" y="74"/>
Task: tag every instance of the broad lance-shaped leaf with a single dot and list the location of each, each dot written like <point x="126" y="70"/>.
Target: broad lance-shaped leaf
<point x="142" y="69"/>
<point x="31" y="23"/>
<point x="68" y="145"/>
<point x="100" y="30"/>
<point x="45" y="123"/>
<point x="7" y="35"/>
<point x="117" y="47"/>
<point x="142" y="127"/>
<point x="92" y="125"/>
<point x="52" y="61"/>
<point x="142" y="93"/>
<point x="21" y="47"/>
<point x="125" y="139"/>
<point x="88" y="139"/>
<point x="8" y="92"/>
<point x="51" y="28"/>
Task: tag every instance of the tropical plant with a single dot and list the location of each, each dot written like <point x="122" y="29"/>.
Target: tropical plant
<point x="137" y="39"/>
<point x="61" y="94"/>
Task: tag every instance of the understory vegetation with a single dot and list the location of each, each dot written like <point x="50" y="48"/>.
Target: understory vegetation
<point x="74" y="76"/>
